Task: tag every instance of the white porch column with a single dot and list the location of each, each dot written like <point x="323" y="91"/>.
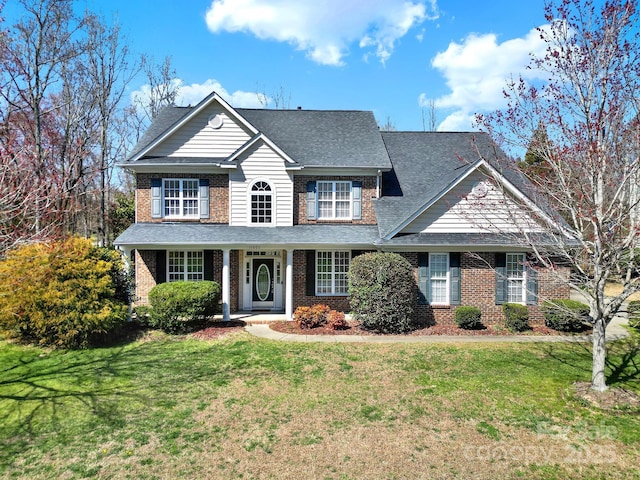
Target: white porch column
<point x="288" y="279"/>
<point x="226" y="285"/>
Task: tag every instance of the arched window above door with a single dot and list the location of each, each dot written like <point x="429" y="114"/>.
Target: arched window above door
<point x="261" y="203"/>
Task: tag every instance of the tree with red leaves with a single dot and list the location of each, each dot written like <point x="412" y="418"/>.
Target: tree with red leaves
<point x="589" y="107"/>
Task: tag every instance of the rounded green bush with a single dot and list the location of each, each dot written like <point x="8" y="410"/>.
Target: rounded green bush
<point x="516" y="317"/>
<point x="382" y="291"/>
<point x="468" y="318"/>
<point x="177" y="306"/>
<point x="634" y="313"/>
<point x="566" y="315"/>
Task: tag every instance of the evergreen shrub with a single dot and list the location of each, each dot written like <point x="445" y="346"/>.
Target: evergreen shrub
<point x="516" y="317"/>
<point x="383" y="291"/>
<point x="468" y="318"/>
<point x="634" y="313"/>
<point x="177" y="307"/>
<point x="566" y="315"/>
<point x="64" y="294"/>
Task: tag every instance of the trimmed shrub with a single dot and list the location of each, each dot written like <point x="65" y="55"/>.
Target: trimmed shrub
<point x="566" y="315"/>
<point x="516" y="317"/>
<point x="65" y="294"/>
<point x="177" y="307"/>
<point x="311" y="317"/>
<point x="634" y="313"/>
<point x="336" y="320"/>
<point x="468" y="318"/>
<point x="382" y="291"/>
<point x="142" y="316"/>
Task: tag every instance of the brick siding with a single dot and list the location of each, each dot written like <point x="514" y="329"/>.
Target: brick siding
<point x="477" y="286"/>
<point x="477" y="289"/>
<point x="218" y="196"/>
<point x="300" y="199"/>
<point x="146" y="271"/>
<point x="478" y="280"/>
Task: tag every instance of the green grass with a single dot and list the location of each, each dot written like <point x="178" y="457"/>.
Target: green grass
<point x="248" y="408"/>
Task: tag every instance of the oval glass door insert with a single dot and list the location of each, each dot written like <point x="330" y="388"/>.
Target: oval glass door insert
<point x="263" y="282"/>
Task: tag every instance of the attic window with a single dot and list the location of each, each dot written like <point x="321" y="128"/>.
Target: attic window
<point x="216" y="121"/>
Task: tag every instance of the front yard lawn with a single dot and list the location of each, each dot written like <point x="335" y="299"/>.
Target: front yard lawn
<point x="241" y="407"/>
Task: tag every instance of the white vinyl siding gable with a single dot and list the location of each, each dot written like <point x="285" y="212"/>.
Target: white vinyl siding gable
<point x="461" y="211"/>
<point x="260" y="163"/>
<point x="198" y="139"/>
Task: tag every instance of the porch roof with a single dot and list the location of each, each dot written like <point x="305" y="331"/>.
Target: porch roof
<point x="206" y="235"/>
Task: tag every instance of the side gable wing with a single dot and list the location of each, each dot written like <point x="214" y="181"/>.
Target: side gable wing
<point x="481" y="201"/>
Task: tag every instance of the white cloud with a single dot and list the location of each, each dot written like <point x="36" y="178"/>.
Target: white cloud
<point x="477" y="71"/>
<point x="324" y="29"/>
<point x="195" y="92"/>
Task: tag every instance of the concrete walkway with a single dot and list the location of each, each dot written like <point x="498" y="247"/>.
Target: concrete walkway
<point x="615" y="331"/>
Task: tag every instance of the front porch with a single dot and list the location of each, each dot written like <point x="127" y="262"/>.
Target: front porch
<point x="253" y="318"/>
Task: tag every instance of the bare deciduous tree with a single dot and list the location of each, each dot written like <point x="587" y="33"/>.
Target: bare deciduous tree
<point x="589" y="107"/>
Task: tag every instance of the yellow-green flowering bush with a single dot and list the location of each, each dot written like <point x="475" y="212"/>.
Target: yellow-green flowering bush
<point x="62" y="294"/>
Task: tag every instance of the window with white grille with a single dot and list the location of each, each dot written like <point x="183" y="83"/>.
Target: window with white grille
<point x="180" y="198"/>
<point x="331" y="272"/>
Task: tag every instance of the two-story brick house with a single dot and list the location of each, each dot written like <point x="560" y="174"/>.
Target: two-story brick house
<point x="274" y="204"/>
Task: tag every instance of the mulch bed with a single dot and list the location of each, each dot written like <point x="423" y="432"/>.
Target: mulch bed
<point x="217" y="330"/>
<point x="613" y="398"/>
<point x="355" y="329"/>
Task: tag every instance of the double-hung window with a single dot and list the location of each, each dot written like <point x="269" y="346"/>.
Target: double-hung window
<point x="331" y="272"/>
<point x="516" y="281"/>
<point x="180" y="198"/>
<point x="439" y="278"/>
<point x="334" y="200"/>
<point x="185" y="265"/>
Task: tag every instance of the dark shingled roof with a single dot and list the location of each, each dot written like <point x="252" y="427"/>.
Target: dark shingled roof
<point x="424" y="164"/>
<point x="466" y="241"/>
<point x="331" y="138"/>
<point x="216" y="235"/>
<point x="323" y="138"/>
<point x="166" y="118"/>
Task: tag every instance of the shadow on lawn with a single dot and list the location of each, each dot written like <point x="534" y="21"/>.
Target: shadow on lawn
<point x="67" y="393"/>
<point x="622" y="363"/>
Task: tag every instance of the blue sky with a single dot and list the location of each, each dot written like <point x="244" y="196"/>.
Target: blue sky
<point x="388" y="56"/>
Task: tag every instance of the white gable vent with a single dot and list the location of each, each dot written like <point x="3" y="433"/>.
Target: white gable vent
<point x="216" y="121"/>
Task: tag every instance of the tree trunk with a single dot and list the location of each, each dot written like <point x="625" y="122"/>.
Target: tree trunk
<point x="598" y="380"/>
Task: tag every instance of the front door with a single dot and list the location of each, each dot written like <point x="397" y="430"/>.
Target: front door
<point x="263" y="283"/>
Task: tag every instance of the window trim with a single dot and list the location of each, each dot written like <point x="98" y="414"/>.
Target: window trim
<point x="250" y="193"/>
<point x="522" y="279"/>
<point x="181" y="199"/>
<point x="447" y="279"/>
<point x="333" y="292"/>
<point x="185" y="272"/>
<point x="334" y="201"/>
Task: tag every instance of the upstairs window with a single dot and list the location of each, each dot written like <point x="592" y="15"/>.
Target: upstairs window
<point x="334" y="200"/>
<point x="180" y="198"/>
<point x="261" y="203"/>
